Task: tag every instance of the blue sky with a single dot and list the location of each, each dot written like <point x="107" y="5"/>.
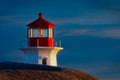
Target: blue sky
<point x="89" y="30"/>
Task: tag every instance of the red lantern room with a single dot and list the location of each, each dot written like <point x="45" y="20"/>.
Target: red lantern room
<point x="41" y="33"/>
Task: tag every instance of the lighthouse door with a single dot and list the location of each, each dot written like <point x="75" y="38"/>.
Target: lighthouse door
<point x="44" y="61"/>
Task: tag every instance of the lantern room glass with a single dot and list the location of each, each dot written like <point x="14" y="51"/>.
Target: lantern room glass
<point x="29" y="32"/>
<point x="45" y="32"/>
<point x="35" y="32"/>
<point x="50" y="32"/>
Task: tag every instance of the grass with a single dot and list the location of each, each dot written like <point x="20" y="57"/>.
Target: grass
<point x="22" y="71"/>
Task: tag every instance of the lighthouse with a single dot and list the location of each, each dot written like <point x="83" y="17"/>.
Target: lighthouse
<point x="40" y="43"/>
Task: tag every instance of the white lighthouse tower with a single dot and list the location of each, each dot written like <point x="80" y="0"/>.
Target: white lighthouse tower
<point x="40" y="40"/>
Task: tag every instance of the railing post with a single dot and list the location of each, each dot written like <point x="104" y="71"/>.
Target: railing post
<point x="58" y="43"/>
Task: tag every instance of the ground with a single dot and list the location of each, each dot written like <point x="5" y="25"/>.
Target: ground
<point x="22" y="71"/>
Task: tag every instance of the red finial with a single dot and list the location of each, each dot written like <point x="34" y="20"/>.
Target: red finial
<point x="40" y="15"/>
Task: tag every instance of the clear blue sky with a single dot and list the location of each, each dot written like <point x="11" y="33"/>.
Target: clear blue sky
<point x="89" y="30"/>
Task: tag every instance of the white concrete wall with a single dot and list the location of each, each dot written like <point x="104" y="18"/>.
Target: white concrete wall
<point x="50" y="54"/>
<point x="32" y="55"/>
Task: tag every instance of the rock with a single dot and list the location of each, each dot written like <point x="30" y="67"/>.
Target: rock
<point x="25" y="71"/>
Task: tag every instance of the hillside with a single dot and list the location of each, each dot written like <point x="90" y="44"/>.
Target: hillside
<point x="22" y="71"/>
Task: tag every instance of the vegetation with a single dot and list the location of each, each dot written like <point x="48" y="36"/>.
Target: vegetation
<point x="22" y="71"/>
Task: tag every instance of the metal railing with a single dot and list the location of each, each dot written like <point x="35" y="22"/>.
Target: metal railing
<point x="58" y="43"/>
<point x="23" y="43"/>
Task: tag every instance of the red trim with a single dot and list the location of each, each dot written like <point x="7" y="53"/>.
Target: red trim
<point x="41" y="23"/>
<point x="43" y="42"/>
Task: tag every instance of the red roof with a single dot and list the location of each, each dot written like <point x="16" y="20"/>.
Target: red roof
<point x="41" y="23"/>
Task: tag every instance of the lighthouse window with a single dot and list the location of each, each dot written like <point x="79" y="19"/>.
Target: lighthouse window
<point x="50" y="32"/>
<point x="40" y="33"/>
<point x="45" y="33"/>
<point x="35" y="33"/>
<point x="30" y="32"/>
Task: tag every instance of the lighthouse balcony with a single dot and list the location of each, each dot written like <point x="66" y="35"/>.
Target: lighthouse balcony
<point x="24" y="43"/>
